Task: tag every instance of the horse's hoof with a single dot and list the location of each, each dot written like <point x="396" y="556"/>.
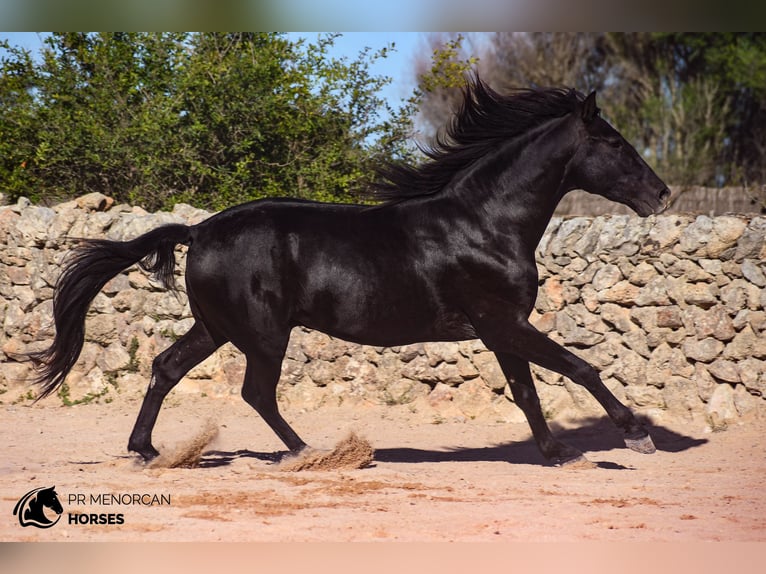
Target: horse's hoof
<point x="147" y="454"/>
<point x="644" y="444"/>
<point x="576" y="462"/>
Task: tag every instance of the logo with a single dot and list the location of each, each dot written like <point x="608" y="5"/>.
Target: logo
<point x="31" y="508"/>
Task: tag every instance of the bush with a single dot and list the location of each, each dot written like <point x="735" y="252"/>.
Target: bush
<point x="208" y="119"/>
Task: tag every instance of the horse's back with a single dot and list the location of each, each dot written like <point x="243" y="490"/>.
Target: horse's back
<point x="275" y="232"/>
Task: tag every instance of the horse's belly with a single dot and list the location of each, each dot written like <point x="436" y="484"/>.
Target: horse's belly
<point x="386" y="323"/>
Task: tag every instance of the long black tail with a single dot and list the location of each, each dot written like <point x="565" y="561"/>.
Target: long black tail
<point x="92" y="264"/>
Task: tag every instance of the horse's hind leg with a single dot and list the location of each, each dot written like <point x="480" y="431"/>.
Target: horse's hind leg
<point x="520" y="381"/>
<point x="260" y="391"/>
<point x="167" y="369"/>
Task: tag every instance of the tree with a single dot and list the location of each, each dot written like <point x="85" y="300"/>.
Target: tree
<point x="441" y="80"/>
<point x="547" y="59"/>
<point x="16" y="112"/>
<point x="210" y="119"/>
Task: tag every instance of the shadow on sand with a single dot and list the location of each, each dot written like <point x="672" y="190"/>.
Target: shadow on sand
<point x="592" y="435"/>
<point x="215" y="458"/>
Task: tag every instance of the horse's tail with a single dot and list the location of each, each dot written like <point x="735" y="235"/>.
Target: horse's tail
<point x="92" y="264"/>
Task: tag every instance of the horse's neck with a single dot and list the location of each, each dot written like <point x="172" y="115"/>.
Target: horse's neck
<point x="519" y="187"/>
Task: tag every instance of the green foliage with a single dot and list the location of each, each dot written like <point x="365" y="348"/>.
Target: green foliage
<point x="441" y="81"/>
<point x="67" y="401"/>
<point x="209" y="119"/>
<point x="16" y="117"/>
<point x="448" y="69"/>
<point x="134" y="362"/>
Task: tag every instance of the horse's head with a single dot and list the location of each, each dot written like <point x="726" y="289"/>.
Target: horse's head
<point x="48" y="498"/>
<point x="607" y="165"/>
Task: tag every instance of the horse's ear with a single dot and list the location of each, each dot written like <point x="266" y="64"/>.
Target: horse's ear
<point x="589" y="108"/>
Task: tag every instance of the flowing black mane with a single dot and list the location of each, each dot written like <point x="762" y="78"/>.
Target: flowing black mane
<point x="484" y="120"/>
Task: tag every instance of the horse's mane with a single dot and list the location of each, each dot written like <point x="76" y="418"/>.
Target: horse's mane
<point x="484" y="120"/>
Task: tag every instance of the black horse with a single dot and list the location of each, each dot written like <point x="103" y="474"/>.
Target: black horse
<point x="448" y="255"/>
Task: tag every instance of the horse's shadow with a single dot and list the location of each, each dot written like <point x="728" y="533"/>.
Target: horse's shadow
<point x="215" y="458"/>
<point x="593" y="435"/>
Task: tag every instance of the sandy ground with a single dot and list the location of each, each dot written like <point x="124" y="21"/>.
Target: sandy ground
<point x="474" y="480"/>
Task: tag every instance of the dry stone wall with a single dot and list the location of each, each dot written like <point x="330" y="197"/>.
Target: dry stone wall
<point x="670" y="309"/>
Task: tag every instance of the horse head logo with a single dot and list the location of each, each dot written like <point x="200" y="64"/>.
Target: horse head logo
<point x="30" y="509"/>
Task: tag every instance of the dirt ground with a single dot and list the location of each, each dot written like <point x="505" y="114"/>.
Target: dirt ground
<point x="437" y="480"/>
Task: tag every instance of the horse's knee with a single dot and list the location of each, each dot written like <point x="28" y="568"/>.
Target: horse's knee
<point x="164" y="376"/>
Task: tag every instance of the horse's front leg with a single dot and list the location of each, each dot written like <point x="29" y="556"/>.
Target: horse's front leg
<point x="524" y="341"/>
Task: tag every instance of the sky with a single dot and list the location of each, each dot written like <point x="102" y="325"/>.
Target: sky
<point x="32" y="41"/>
<point x="398" y="64"/>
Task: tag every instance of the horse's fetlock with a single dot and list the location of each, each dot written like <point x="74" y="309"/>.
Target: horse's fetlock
<point x="145" y="450"/>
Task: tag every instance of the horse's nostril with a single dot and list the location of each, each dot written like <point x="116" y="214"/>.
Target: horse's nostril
<point x="664" y="194"/>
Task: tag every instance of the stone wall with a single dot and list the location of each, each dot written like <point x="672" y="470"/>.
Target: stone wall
<point x="671" y="310"/>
